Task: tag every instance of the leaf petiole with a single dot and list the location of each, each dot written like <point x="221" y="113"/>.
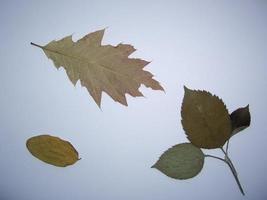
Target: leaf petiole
<point x="227" y="146"/>
<point x="211" y="156"/>
<point x="36" y="45"/>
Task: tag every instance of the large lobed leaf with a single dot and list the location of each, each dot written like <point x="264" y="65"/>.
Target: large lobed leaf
<point x="101" y="68"/>
<point x="182" y="161"/>
<point x="205" y="119"/>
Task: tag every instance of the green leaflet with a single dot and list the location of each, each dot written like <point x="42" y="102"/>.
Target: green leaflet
<point x="205" y="119"/>
<point x="52" y="150"/>
<point x="182" y="161"/>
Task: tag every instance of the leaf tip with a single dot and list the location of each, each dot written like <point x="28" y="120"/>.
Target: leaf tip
<point x="186" y="89"/>
<point x="154" y="166"/>
<point x="102" y="31"/>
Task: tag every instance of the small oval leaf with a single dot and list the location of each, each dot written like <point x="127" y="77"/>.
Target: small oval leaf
<point x="52" y="150"/>
<point x="182" y="161"/>
<point x="205" y="119"/>
<point x="240" y="119"/>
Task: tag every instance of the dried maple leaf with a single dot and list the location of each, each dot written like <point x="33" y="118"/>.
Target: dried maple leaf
<point x="101" y="67"/>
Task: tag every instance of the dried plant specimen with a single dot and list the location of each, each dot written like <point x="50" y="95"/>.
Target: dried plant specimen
<point x="52" y="150"/>
<point x="208" y="125"/>
<point x="101" y="68"/>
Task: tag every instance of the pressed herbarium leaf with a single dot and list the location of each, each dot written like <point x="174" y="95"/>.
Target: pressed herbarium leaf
<point x="205" y="119"/>
<point x="101" y="68"/>
<point x="52" y="150"/>
<point x="182" y="161"/>
<point x="240" y="119"/>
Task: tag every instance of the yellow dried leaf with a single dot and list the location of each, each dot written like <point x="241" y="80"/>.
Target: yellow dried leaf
<point x="205" y="119"/>
<point x="52" y="150"/>
<point x="101" y="68"/>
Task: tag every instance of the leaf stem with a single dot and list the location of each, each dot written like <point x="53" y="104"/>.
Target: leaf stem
<point x="227" y="146"/>
<point x="36" y="45"/>
<point x="211" y="156"/>
<point x="233" y="170"/>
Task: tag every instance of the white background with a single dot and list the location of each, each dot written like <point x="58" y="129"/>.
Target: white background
<point x="219" y="46"/>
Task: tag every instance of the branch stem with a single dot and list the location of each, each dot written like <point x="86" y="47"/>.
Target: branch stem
<point x="233" y="170"/>
<point x="228" y="161"/>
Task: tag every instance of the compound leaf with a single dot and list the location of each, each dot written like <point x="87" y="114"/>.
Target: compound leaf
<point x="101" y="68"/>
<point x="205" y="119"/>
<point x="240" y="119"/>
<point x="182" y="161"/>
<point x="52" y="150"/>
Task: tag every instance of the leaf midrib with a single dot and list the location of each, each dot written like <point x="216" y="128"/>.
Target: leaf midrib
<point x="86" y="61"/>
